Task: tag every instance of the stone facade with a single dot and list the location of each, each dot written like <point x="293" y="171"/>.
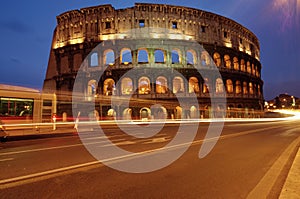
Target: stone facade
<point x="226" y="44"/>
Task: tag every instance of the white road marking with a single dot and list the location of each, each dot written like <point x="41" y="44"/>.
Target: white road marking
<point x="264" y="186"/>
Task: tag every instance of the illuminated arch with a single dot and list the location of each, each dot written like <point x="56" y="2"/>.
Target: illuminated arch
<point x="219" y="85"/>
<point x="243" y="66"/>
<point x="109" y="87"/>
<point x="126" y="86"/>
<point x="238" y="87"/>
<point x="251" y="90"/>
<point x="161" y="85"/>
<point x="92" y="87"/>
<point x="178" y="85"/>
<point x="227" y="61"/>
<point x="217" y="59"/>
<point x="144" y="86"/>
<point x="248" y="67"/>
<point x="229" y="86"/>
<point x="245" y="88"/>
<point x="236" y="63"/>
<point x="193" y="85"/>
<point x="206" y="85"/>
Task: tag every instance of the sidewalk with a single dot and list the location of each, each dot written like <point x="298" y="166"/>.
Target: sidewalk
<point x="291" y="188"/>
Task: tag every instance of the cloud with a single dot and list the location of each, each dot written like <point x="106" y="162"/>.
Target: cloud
<point x="16" y="26"/>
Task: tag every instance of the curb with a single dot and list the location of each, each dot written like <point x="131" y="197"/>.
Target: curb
<point x="291" y="187"/>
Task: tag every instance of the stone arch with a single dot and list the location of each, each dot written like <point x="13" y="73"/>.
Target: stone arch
<point x="194" y="113"/>
<point x="159" y="56"/>
<point x="161" y="85"/>
<point x="227" y="61"/>
<point x="109" y="57"/>
<point x="219" y="85"/>
<point x="144" y="86"/>
<point x="238" y="87"/>
<point x="229" y="86"/>
<point x="145" y="113"/>
<point x="205" y="58"/>
<point x="143" y="56"/>
<point x="178" y="85"/>
<point x="94" y="60"/>
<point x="178" y="112"/>
<point x="245" y="88"/>
<point x="126" y="56"/>
<point x="92" y="87"/>
<point x="126" y="86"/>
<point x="194" y="85"/>
<point x="127" y="114"/>
<point x="159" y="112"/>
<point x="109" y="87"/>
<point x="191" y="57"/>
<point x="176" y="56"/>
<point x="217" y="59"/>
<point x="236" y="63"/>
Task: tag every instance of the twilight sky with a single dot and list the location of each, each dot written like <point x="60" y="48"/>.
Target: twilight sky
<point x="26" y="30"/>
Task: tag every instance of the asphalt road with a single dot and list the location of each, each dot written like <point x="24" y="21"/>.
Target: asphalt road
<point x="250" y="159"/>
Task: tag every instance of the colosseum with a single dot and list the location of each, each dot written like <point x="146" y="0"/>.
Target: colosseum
<point x="153" y="53"/>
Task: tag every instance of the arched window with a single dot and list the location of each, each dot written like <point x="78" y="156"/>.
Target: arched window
<point x="190" y="57"/>
<point x="109" y="87"/>
<point x="94" y="59"/>
<point x="109" y="57"/>
<point x="253" y="70"/>
<point x="258" y="90"/>
<point x="219" y="85"/>
<point x="193" y="85"/>
<point x="144" y="85"/>
<point x="238" y="87"/>
<point x="251" y="91"/>
<point x="161" y="85"/>
<point x="229" y="86"/>
<point x="126" y="86"/>
<point x="243" y="67"/>
<point x="236" y="63"/>
<point x="227" y="61"/>
<point x="206" y="85"/>
<point x="159" y="56"/>
<point x="92" y="87"/>
<point x="217" y="59"/>
<point x="126" y="56"/>
<point x="178" y="85"/>
<point x="175" y="57"/>
<point x="256" y="71"/>
<point x="143" y="56"/>
<point x="205" y="59"/>
<point x="248" y="67"/>
<point x="245" y="88"/>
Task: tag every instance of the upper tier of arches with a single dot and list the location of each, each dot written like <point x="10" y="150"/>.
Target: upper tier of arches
<point x="175" y="58"/>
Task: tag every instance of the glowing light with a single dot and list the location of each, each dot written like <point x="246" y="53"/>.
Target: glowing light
<point x="112" y="37"/>
<point x="228" y="44"/>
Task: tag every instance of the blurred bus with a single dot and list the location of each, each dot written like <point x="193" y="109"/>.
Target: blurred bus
<point x="21" y="105"/>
